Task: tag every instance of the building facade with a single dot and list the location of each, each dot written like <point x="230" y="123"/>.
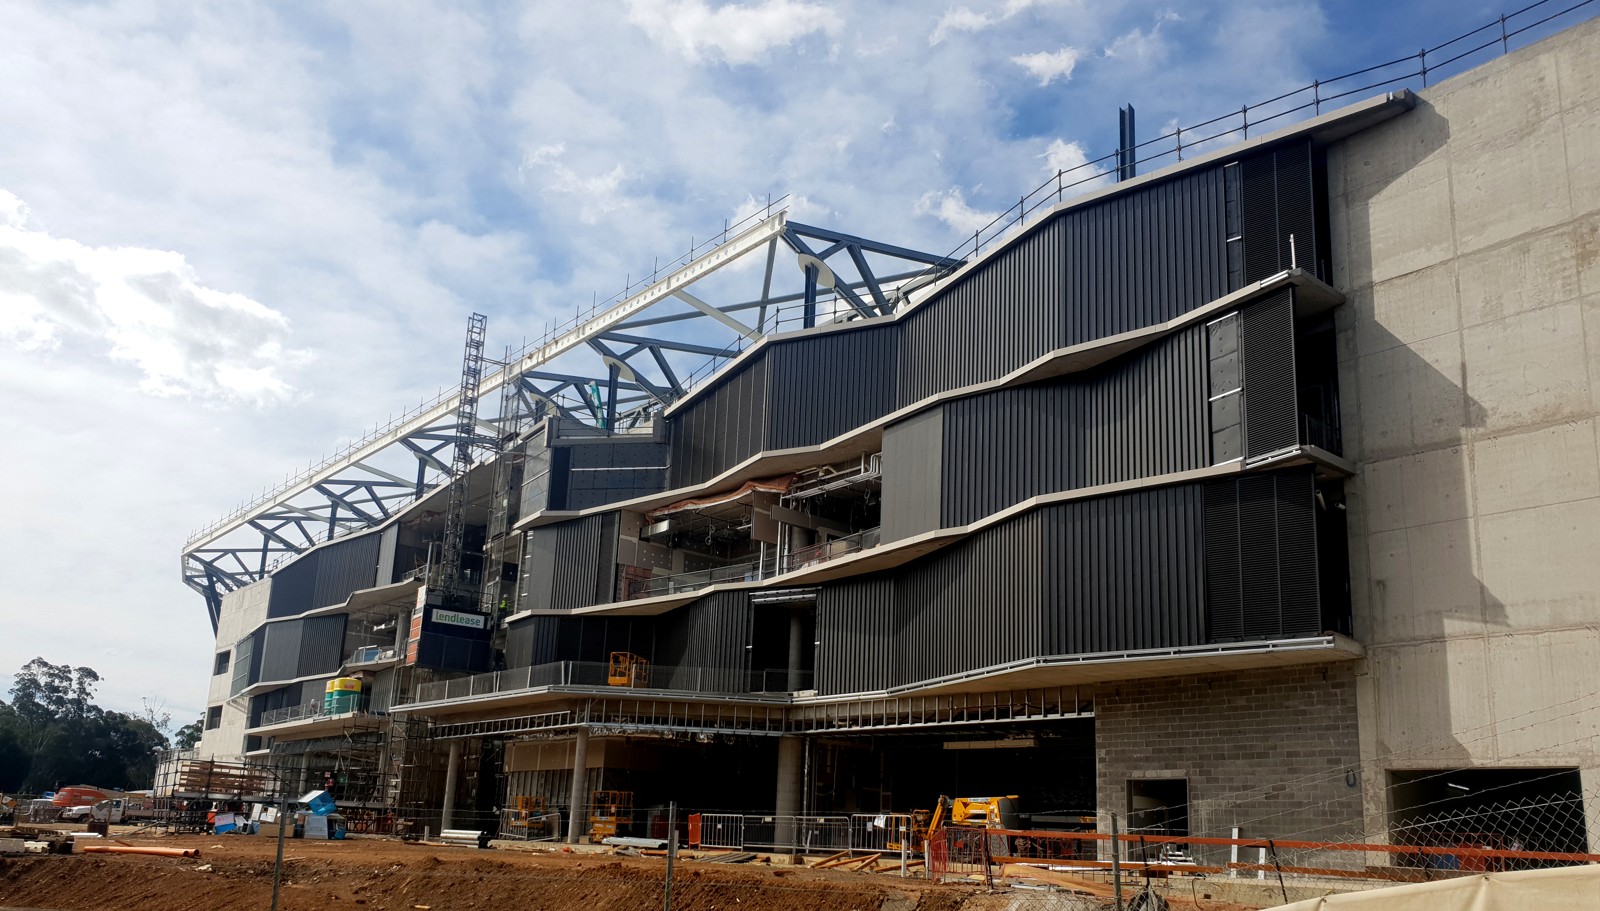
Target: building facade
<point x="1254" y="492"/>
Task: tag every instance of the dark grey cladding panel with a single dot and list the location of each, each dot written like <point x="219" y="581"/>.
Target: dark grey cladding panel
<point x="913" y="452"/>
<point x="1123" y="263"/>
<point x="247" y="661"/>
<point x="1118" y="572"/>
<point x="388" y="550"/>
<point x="1261" y="557"/>
<point x="1136" y="417"/>
<point x="1000" y="316"/>
<point x="702" y="646"/>
<point x="1266" y="344"/>
<point x="325" y="576"/>
<point x="293" y="586"/>
<point x="321" y="645"/>
<point x="542" y="640"/>
<point x="830" y="384"/>
<point x="300" y="648"/>
<point x="1279" y="202"/>
<point x="722" y="428"/>
<point x="347" y="566"/>
<point x="570" y="564"/>
<point x="280" y="650"/>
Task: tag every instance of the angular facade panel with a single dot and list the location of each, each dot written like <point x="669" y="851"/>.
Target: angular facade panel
<point x="1137" y="417"/>
<point x="1113" y="573"/>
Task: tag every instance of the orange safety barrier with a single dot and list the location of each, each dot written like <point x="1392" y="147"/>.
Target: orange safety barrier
<point x="1274" y="844"/>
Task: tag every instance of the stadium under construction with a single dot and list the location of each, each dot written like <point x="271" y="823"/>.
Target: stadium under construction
<point x="1245" y="483"/>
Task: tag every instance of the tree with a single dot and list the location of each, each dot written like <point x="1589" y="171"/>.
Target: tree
<point x="61" y="737"/>
<point x="189" y="735"/>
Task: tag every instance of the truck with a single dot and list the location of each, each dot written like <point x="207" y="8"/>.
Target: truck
<point x="85" y="804"/>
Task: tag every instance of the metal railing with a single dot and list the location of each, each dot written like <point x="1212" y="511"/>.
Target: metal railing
<point x="596" y="674"/>
<point x="754" y="570"/>
<point x="293" y="713"/>
<point x="831" y="550"/>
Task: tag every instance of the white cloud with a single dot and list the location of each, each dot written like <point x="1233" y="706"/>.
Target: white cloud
<point x="596" y="194"/>
<point x="142" y="307"/>
<point x="950" y="206"/>
<point x="1141" y="45"/>
<point x="1048" y="66"/>
<point x="965" y="19"/>
<point x="736" y="34"/>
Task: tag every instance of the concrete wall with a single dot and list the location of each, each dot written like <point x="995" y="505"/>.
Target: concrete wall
<point x="1465" y="234"/>
<point x="1267" y="751"/>
<point x="242" y="612"/>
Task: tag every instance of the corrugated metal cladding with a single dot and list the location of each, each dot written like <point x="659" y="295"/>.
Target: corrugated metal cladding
<point x="722" y="428"/>
<point x="702" y="646"/>
<point x="1261" y="557"/>
<point x="570" y="564"/>
<point x="325" y="576"/>
<point x="1137" y="417"/>
<point x="1279" y="201"/>
<point x="913" y="454"/>
<point x="299" y="648"/>
<point x="1124" y="263"/>
<point x="1266" y="343"/>
<point x="1119" y="572"/>
<point x="830" y="384"/>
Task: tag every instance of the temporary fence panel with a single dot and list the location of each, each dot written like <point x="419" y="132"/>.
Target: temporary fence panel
<point x="880" y="833"/>
<point x="722" y="830"/>
<point x="806" y="834"/>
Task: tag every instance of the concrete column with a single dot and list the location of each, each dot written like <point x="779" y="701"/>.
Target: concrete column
<point x="580" y="768"/>
<point x="790" y="748"/>
<point x="452" y="770"/>
<point x="1589" y="781"/>
<point x="797" y="630"/>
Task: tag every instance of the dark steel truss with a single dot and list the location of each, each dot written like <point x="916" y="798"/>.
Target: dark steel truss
<point x="612" y="368"/>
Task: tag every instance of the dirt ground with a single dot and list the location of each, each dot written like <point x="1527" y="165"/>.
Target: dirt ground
<point x="381" y="875"/>
<point x="375" y="875"/>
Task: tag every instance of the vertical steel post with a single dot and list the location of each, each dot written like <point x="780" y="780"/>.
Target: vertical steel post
<point x="1116" y="861"/>
<point x="277" y="867"/>
<point x="672" y="849"/>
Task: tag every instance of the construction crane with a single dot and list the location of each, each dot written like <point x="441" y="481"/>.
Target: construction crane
<point x="455" y="522"/>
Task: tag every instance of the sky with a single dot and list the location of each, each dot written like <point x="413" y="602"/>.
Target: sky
<point x="234" y="236"/>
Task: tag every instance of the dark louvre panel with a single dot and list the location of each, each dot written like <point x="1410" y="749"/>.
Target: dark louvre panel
<point x="1279" y="202"/>
<point x="1297" y="555"/>
<point x="1297" y="216"/>
<point x="1261" y="557"/>
<point x="1224" y="595"/>
<point x="570" y="564"/>
<point x="1119" y="572"/>
<point x="1139" y="416"/>
<point x="830" y="384"/>
<point x="1267" y="348"/>
<point x="1258" y="556"/>
<point x="322" y="645"/>
<point x="1259" y="206"/>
